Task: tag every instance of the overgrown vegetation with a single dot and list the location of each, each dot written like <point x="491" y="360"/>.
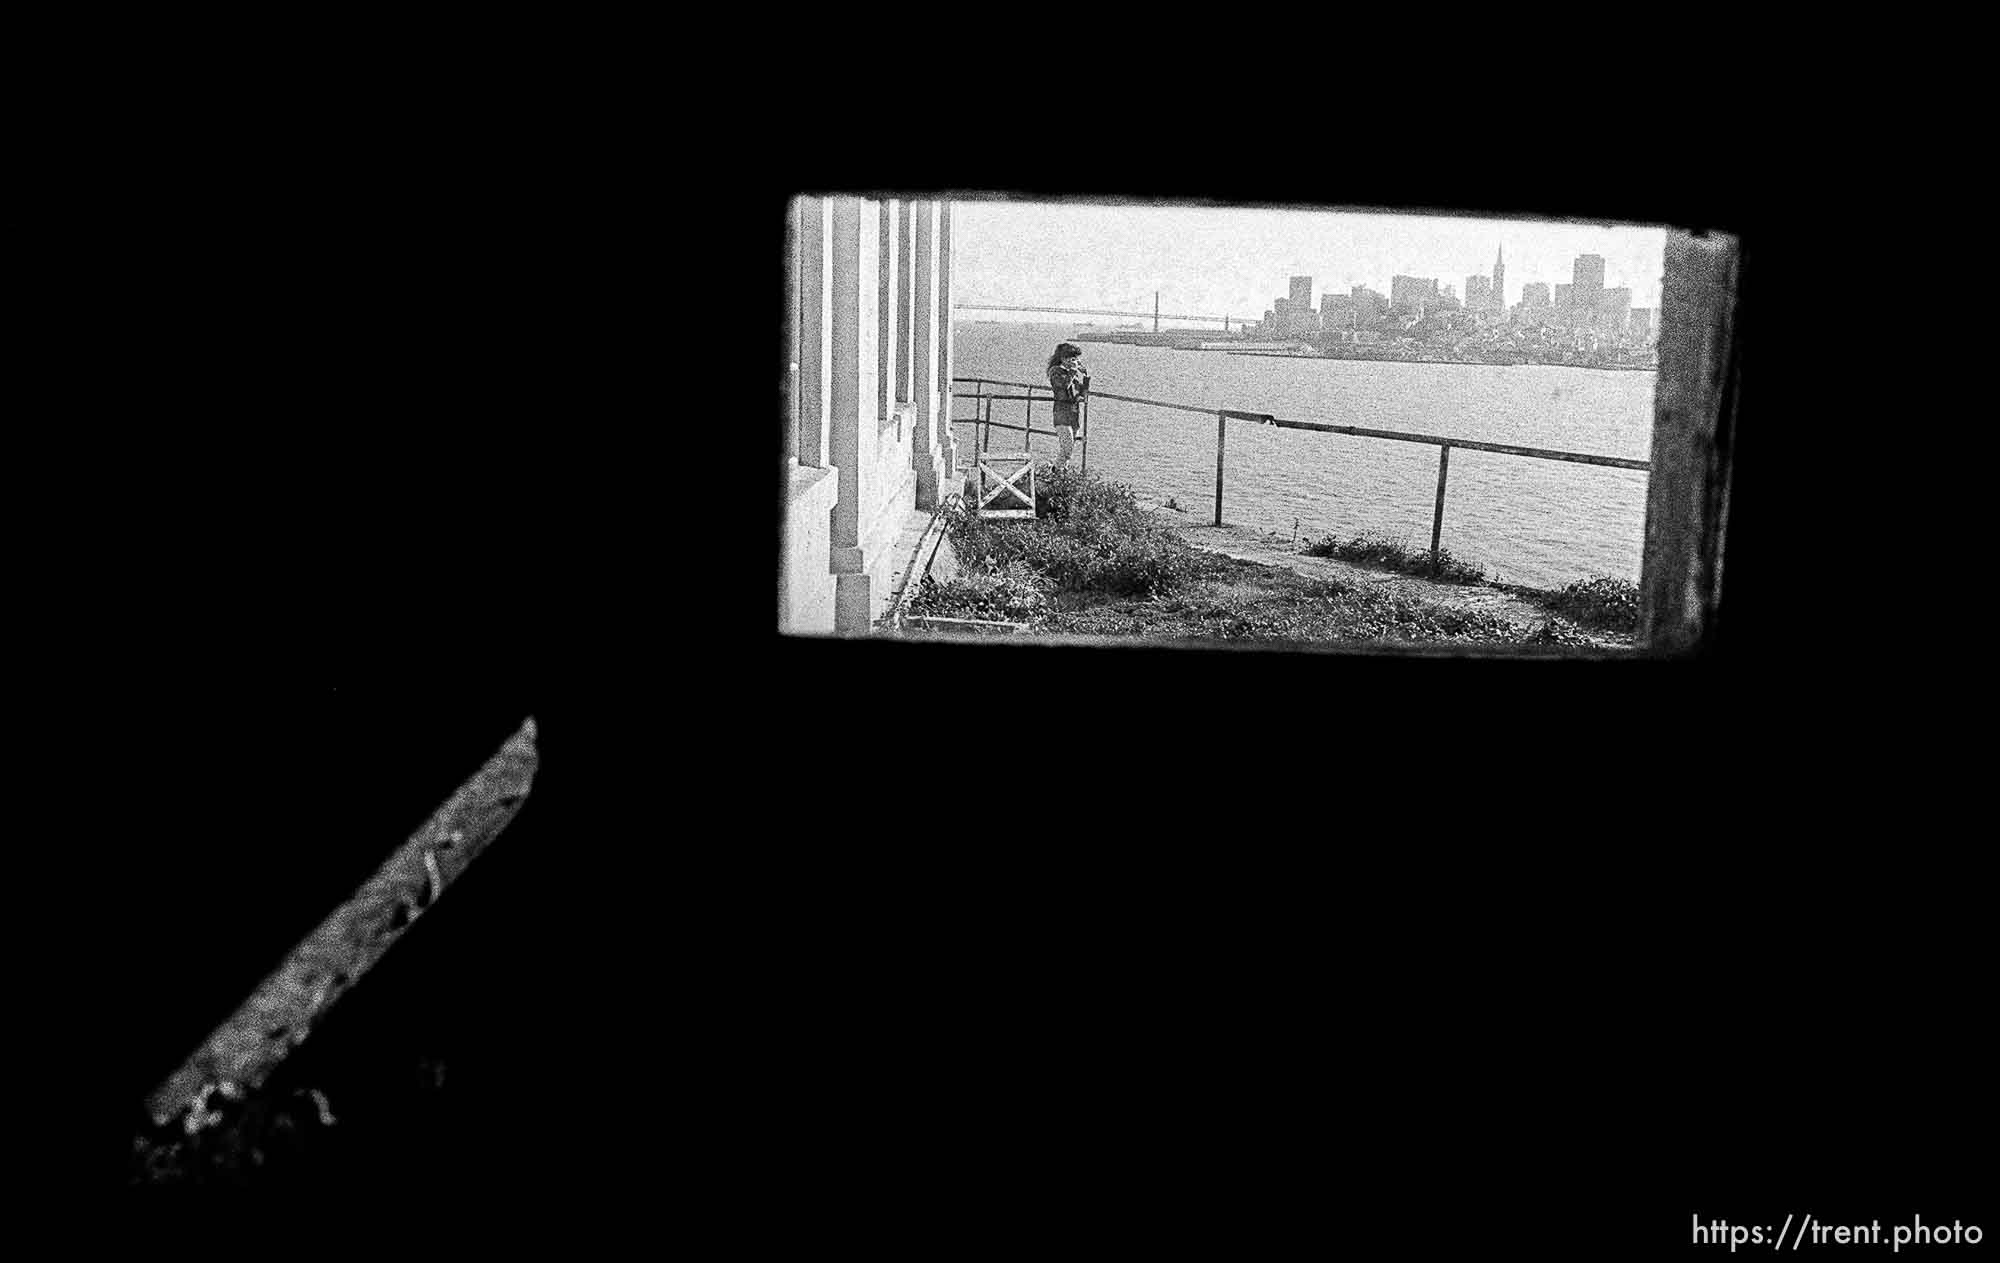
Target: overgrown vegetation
<point x="1089" y="535"/>
<point x="1249" y="602"/>
<point x="1382" y="552"/>
<point x="1011" y="594"/>
<point x="1092" y="562"/>
<point x="1603" y="603"/>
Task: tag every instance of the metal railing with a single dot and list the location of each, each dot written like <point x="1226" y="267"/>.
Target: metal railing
<point x="983" y="414"/>
<point x="1224" y="415"/>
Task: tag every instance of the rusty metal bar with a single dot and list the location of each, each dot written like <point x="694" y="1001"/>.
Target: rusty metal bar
<point x="1505" y="449"/>
<point x="1508" y="449"/>
<point x="994" y="381"/>
<point x="1221" y="419"/>
<point x="1437" y="516"/>
<point x="1002" y="425"/>
<point x="1157" y="403"/>
<point x="241" y="1053"/>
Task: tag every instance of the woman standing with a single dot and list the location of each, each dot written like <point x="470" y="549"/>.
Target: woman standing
<point x="1070" y="381"/>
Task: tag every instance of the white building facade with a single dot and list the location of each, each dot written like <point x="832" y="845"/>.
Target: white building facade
<point x="869" y="450"/>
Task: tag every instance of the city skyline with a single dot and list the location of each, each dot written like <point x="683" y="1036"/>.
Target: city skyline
<point x="1230" y="261"/>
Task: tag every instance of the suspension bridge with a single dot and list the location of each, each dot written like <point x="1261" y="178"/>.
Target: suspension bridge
<point x="1158" y="315"/>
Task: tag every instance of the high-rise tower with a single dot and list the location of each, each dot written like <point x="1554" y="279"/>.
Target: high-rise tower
<point x="1587" y="282"/>
<point x="1499" y="279"/>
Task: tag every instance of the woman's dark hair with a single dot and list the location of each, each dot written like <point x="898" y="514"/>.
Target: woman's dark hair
<point x="1063" y="351"/>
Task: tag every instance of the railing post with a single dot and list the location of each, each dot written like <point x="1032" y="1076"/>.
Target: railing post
<point x="1220" y="419"/>
<point x="1028" y="422"/>
<point x="1437" y="517"/>
<point x="1083" y="431"/>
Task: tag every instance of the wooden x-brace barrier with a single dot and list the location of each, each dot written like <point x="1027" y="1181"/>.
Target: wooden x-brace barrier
<point x="1009" y="483"/>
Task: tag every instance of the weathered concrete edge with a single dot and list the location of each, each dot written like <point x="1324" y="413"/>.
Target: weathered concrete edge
<point x="241" y="1053"/>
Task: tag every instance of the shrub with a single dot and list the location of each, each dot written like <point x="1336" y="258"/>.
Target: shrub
<point x="1066" y="493"/>
<point x="1381" y="552"/>
<point x="1604" y="603"/>
<point x="1011" y="594"/>
<point x="1090" y="536"/>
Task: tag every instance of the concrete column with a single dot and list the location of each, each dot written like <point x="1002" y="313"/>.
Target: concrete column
<point x="906" y="295"/>
<point x="815" y="380"/>
<point x="931" y="407"/>
<point x="789" y="381"/>
<point x="886" y="366"/>
<point x="944" y="358"/>
<point x="854" y="291"/>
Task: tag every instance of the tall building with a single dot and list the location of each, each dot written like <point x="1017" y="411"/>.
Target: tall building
<point x="1499" y="281"/>
<point x="1407" y="293"/>
<point x="1289" y="320"/>
<point x="1641" y="323"/>
<point x="1535" y="294"/>
<point x="1369" y="306"/>
<point x="1587" y="282"/>
<point x="1478" y="293"/>
<point x="1613" y="306"/>
<point x="1302" y="292"/>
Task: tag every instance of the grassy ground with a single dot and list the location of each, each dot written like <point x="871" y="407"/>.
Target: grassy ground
<point x="1244" y="601"/>
<point x="1094" y="563"/>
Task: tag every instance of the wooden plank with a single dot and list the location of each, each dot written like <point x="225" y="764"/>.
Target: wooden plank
<point x="1008" y="483"/>
<point x="1015" y="494"/>
<point x="965" y="622"/>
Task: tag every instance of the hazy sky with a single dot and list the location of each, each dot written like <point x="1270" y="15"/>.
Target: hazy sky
<point x="1224" y="260"/>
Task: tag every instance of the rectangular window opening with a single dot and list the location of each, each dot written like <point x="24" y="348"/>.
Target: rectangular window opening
<point x="1278" y="429"/>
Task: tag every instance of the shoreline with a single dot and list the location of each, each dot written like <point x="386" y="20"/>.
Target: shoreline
<point x="1398" y="359"/>
<point x="1165" y="343"/>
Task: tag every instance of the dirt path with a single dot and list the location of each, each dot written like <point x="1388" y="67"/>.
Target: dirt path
<point x="1245" y="544"/>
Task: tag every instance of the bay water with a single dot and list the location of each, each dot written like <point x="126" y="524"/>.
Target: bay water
<point x="1539" y="522"/>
